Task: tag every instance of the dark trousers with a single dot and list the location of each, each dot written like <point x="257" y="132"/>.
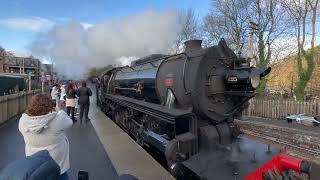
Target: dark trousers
<point x="64" y="176"/>
<point x="71" y="110"/>
<point x="54" y="103"/>
<point x="84" y="109"/>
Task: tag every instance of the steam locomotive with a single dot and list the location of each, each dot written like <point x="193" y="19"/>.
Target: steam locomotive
<point x="184" y="106"/>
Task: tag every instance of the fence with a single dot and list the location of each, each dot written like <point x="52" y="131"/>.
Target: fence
<point x="278" y="109"/>
<point x="15" y="104"/>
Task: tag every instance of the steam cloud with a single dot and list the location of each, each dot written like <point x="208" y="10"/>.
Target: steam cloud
<point x="74" y="49"/>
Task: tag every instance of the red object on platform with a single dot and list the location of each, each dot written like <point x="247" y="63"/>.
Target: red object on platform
<point x="281" y="162"/>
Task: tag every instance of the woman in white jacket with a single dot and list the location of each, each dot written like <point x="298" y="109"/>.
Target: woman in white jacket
<point x="55" y="95"/>
<point x="44" y="129"/>
<point x="62" y="96"/>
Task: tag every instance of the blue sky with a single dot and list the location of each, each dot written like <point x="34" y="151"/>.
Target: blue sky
<point x="22" y="20"/>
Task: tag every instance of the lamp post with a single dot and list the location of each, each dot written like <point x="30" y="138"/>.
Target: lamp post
<point x="29" y="81"/>
<point x="20" y="67"/>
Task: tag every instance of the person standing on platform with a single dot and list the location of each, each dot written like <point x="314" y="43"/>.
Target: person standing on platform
<point x="55" y="95"/>
<point x="83" y="93"/>
<point x="71" y="101"/>
<point x="43" y="128"/>
<point x="76" y="86"/>
<point x="63" y="96"/>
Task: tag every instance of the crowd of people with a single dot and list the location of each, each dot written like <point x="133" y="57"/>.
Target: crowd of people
<point x="72" y="97"/>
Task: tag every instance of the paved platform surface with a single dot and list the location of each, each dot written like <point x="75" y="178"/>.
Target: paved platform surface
<point x="86" y="151"/>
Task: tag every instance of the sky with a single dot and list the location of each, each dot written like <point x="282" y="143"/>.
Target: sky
<point x="23" y="21"/>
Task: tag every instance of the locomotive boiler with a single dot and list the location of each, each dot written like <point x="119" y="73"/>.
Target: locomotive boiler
<point x="183" y="105"/>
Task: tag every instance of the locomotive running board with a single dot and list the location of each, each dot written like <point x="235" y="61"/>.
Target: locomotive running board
<point x="188" y="140"/>
<point x="158" y="111"/>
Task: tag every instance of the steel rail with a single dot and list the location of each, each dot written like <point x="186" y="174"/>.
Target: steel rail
<point x="292" y="145"/>
<point x="286" y="143"/>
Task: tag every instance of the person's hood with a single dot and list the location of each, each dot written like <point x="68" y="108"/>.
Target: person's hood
<point x="36" y="124"/>
<point x="55" y="89"/>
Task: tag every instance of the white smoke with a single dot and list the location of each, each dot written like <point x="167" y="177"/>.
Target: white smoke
<point x="126" y="61"/>
<point x="74" y="48"/>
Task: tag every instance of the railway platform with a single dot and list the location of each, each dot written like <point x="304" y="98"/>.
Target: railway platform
<point x="100" y="148"/>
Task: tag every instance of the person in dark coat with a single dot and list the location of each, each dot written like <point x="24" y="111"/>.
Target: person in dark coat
<point x="84" y="93"/>
<point x="71" y="101"/>
<point x="39" y="166"/>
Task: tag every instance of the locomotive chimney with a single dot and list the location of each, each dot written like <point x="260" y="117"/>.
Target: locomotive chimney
<point x="194" y="44"/>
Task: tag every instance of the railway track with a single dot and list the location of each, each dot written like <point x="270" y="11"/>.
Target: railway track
<point x="300" y="142"/>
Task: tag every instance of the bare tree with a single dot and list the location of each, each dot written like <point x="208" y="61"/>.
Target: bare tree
<point x="298" y="11"/>
<point x="268" y="16"/>
<point x="189" y="29"/>
<point x="314" y="7"/>
<point x="3" y="52"/>
<point x="213" y="29"/>
<point x="228" y="19"/>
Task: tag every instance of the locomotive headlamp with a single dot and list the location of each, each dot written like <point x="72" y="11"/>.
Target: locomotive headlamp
<point x="255" y="81"/>
<point x="232" y="79"/>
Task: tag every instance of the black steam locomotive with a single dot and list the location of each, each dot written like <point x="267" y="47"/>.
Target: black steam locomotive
<point x="183" y="105"/>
